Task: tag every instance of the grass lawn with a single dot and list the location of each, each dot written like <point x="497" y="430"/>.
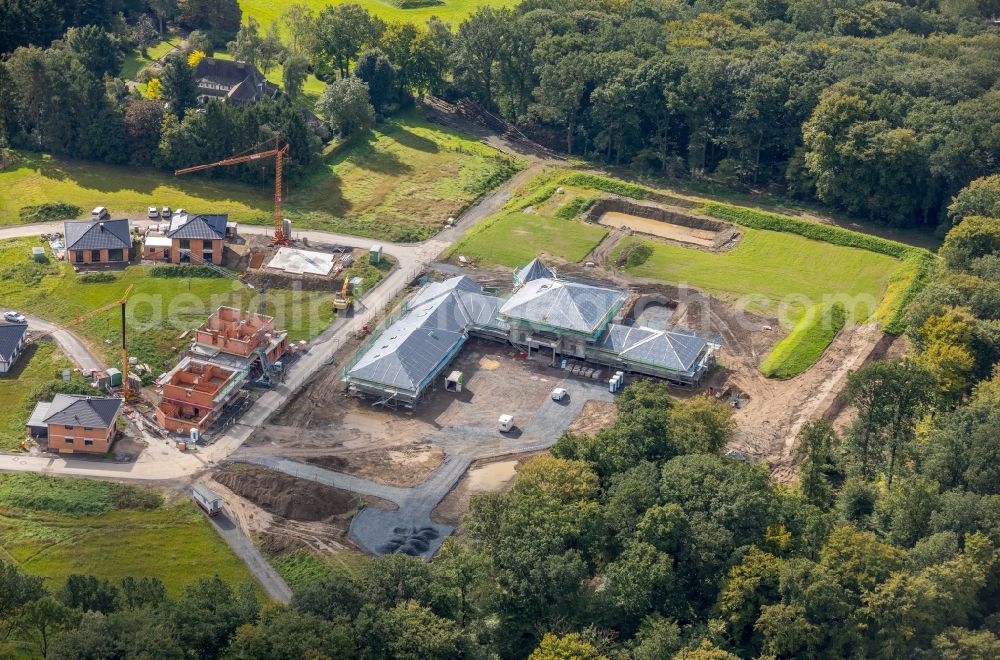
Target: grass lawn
<point x="304" y="567"/>
<point x="40" y="363"/>
<point x="772" y="270"/>
<point x="158" y="311"/>
<point x="135" y="61"/>
<point x="452" y="11"/>
<point x="800" y="349"/>
<point x="399" y="181"/>
<point x="514" y="238"/>
<point x="175" y="543"/>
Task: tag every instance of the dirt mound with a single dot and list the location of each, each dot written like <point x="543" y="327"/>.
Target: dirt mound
<point x="286" y="496"/>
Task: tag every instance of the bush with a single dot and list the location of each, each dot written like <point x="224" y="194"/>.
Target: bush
<point x="574" y="207"/>
<point x="49" y="211"/>
<point x="635" y="254"/>
<point x="175" y="270"/>
<point x="97" y="278"/>
<point x="612" y="186"/>
<point x="806" y="342"/>
<point x="918" y="266"/>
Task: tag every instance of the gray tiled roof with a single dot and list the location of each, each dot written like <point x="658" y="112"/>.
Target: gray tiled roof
<point x="80" y="410"/>
<point x="11" y="335"/>
<point x="562" y="304"/>
<point x="411" y="351"/>
<point x="94" y="235"/>
<point x="666" y="349"/>
<point x="533" y="270"/>
<point x="204" y="227"/>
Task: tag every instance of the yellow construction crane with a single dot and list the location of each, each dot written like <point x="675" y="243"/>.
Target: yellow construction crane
<point x="126" y="389"/>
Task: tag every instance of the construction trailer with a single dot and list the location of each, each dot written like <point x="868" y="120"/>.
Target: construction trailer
<point x="209" y="502"/>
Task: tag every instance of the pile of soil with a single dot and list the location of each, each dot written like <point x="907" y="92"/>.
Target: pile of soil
<point x="286" y="496"/>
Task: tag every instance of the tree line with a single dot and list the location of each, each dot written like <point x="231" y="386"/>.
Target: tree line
<point x="880" y="109"/>
<point x="638" y="542"/>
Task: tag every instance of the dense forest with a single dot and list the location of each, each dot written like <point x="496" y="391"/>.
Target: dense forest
<point x="880" y="109"/>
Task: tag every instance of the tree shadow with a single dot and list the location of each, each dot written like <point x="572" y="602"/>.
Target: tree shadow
<point x="412" y="140"/>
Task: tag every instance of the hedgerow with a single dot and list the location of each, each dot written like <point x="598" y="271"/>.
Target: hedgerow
<point x="605" y="184"/>
<point x="806" y="342"/>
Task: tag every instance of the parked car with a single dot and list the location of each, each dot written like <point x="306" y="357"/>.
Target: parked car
<point x="153" y="212"/>
<point x="15" y="317"/>
<point x="165" y="212"/>
<point x="100" y="213"/>
<point x="180" y="212"/>
<point x="505" y="423"/>
<point x="559" y="394"/>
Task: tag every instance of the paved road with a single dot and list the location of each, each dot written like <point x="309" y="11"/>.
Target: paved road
<point x="273" y="584"/>
<point x="71" y="344"/>
<point x="410" y="526"/>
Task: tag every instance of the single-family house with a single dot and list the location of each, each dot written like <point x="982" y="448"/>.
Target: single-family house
<point x="76" y="423"/>
<point x="97" y="242"/>
<point x="194" y="239"/>
<point x="231" y="81"/>
<point x="11" y="344"/>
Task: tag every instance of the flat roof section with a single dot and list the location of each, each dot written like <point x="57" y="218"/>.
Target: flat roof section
<point x="299" y="262"/>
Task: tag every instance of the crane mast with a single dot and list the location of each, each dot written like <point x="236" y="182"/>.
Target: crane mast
<point x="279" y="238"/>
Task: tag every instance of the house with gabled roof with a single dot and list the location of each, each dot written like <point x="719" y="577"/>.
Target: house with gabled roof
<point x="196" y="239"/>
<point x="231" y="81"/>
<point x="12" y="337"/>
<point x="76" y="423"/>
<point x="97" y="242"/>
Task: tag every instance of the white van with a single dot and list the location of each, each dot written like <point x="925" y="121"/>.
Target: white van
<point x="100" y="213"/>
<point x="505" y="423"/>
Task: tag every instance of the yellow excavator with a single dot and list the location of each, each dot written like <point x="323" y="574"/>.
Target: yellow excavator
<point x="345" y="298"/>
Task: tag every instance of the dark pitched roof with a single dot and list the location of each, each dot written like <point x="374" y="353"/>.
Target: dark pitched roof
<point x="245" y="81"/>
<point x="80" y="410"/>
<point x="11" y="335"/>
<point x="94" y="235"/>
<point x="226" y="72"/>
<point x="205" y="227"/>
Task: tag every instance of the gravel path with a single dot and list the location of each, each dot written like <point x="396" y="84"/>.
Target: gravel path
<point x="410" y="529"/>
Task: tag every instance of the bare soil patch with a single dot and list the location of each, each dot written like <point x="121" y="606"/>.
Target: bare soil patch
<point x="489" y="475"/>
<point x="406" y="465"/>
<point x="286" y="496"/>
<point x="596" y="415"/>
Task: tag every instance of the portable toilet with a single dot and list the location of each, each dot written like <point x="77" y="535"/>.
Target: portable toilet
<point x="114" y="377"/>
<point x="375" y="255"/>
<point x="38" y="254"/>
<point x="505" y="423"/>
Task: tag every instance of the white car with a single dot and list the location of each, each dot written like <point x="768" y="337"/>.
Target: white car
<point x="15" y="317"/>
<point x="559" y="394"/>
<point x="165" y="212"/>
<point x="180" y="212"/>
<point x="153" y="212"/>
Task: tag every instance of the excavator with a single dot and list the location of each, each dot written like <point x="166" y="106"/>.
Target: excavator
<point x="345" y="298"/>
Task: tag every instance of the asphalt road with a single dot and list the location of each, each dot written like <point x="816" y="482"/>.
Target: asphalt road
<point x="273" y="584"/>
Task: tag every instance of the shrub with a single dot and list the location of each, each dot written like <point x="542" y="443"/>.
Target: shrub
<point x="49" y="211"/>
<point x="635" y="254"/>
<point x="806" y="342"/>
<point x="176" y="270"/>
<point x="612" y="186"/>
<point x="97" y="278"/>
<point x="574" y="207"/>
<point x="917" y="267"/>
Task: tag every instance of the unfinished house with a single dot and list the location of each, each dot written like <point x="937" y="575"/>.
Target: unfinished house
<point x="544" y="315"/>
<point x="243" y="333"/>
<point x="403" y="360"/>
<point x="76" y="423"/>
<point x="97" y="243"/>
<point x="194" y="394"/>
<point x="210" y="376"/>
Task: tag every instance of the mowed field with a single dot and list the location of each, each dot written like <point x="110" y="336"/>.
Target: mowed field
<point x="159" y="309"/>
<point x="515" y="238"/>
<point x="41" y="363"/>
<point x="775" y="273"/>
<point x="55" y="527"/>
<point x="399" y="181"/>
<point x="452" y="11"/>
